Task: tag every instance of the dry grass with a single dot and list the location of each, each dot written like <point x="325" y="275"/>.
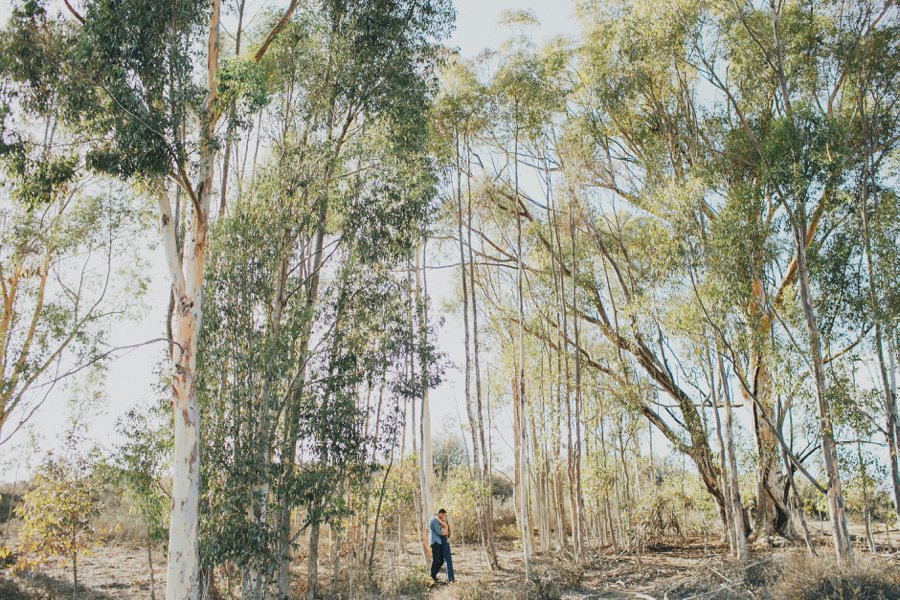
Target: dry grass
<point x="118" y="569"/>
<point x="787" y="575"/>
<point x="870" y="578"/>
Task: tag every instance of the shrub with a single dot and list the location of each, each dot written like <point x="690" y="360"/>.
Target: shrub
<point x="790" y="576"/>
<point x="507" y="532"/>
<point x="414" y="582"/>
<point x="56" y="516"/>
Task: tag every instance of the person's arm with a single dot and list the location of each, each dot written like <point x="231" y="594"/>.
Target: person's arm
<point x="435" y="522"/>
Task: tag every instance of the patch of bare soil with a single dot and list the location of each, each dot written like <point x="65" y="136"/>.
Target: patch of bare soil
<point x="628" y="575"/>
<point x="692" y="570"/>
<point x="110" y="573"/>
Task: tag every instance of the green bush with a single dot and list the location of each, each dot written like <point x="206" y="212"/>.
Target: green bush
<point x="414" y="582"/>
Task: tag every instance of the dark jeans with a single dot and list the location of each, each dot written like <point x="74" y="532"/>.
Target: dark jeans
<point x="448" y="558"/>
<point x="437" y="559"/>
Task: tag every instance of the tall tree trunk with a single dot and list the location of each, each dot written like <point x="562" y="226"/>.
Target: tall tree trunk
<point x="421" y="528"/>
<point x="426" y="462"/>
<point x="470" y="408"/>
<point x="727" y="510"/>
<point x="486" y="492"/>
<point x="840" y="534"/>
<point x="578" y="515"/>
<point x="524" y="524"/>
<point x="182" y="576"/>
<point x="182" y="572"/>
<point x="892" y="426"/>
<point x="291" y="412"/>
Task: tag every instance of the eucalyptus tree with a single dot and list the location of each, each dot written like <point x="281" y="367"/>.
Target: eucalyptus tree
<point x="799" y="144"/>
<point x="725" y="101"/>
<point x="565" y="258"/>
<point x="307" y="318"/>
<point x="133" y="91"/>
<point x="623" y="169"/>
<point x="65" y="244"/>
<point x="876" y="100"/>
<point x="153" y="120"/>
<point x="459" y="118"/>
<point x="523" y="98"/>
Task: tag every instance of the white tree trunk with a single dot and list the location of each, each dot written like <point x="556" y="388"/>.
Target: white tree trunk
<point x="734" y="495"/>
<point x="182" y="574"/>
<point x="426" y="471"/>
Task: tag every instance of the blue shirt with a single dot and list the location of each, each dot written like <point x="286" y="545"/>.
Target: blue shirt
<point x="434" y="531"/>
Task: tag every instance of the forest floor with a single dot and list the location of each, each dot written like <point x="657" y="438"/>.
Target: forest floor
<point x="693" y="569"/>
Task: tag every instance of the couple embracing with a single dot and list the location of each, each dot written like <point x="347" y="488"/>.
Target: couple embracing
<point x="439" y="538"/>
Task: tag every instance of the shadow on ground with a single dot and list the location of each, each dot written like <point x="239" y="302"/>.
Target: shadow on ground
<point x="44" y="587"/>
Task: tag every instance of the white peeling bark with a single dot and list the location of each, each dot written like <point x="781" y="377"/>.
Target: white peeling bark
<point x="182" y="575"/>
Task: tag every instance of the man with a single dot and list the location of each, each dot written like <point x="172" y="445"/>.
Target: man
<point x="436" y="539"/>
<point x="445" y="546"/>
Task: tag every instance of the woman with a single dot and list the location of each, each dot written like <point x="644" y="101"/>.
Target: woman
<point x="445" y="545"/>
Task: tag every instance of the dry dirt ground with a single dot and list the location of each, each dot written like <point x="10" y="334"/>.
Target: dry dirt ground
<point x="114" y="572"/>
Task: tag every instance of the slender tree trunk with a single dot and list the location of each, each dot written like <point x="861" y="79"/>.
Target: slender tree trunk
<point x="737" y="508"/>
<point x="312" y="588"/>
<point x="727" y="510"/>
<point x="150" y="565"/>
<point x="182" y="578"/>
<point x="470" y="408"/>
<point x="524" y="524"/>
<point x="840" y="534"/>
<point x="426" y="469"/>
<point x="578" y="517"/>
<point x="335" y="558"/>
<point x="420" y="509"/>
<point x="867" y="513"/>
<point x="798" y="506"/>
<point x="381" y="493"/>
<point x="486" y="493"/>
<point x="75" y="575"/>
<point x="892" y="427"/>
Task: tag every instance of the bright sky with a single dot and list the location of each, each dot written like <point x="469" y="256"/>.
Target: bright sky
<point x="132" y="378"/>
<point x="477" y="28"/>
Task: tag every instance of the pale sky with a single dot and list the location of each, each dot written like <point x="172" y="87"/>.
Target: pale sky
<point x="132" y="378"/>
